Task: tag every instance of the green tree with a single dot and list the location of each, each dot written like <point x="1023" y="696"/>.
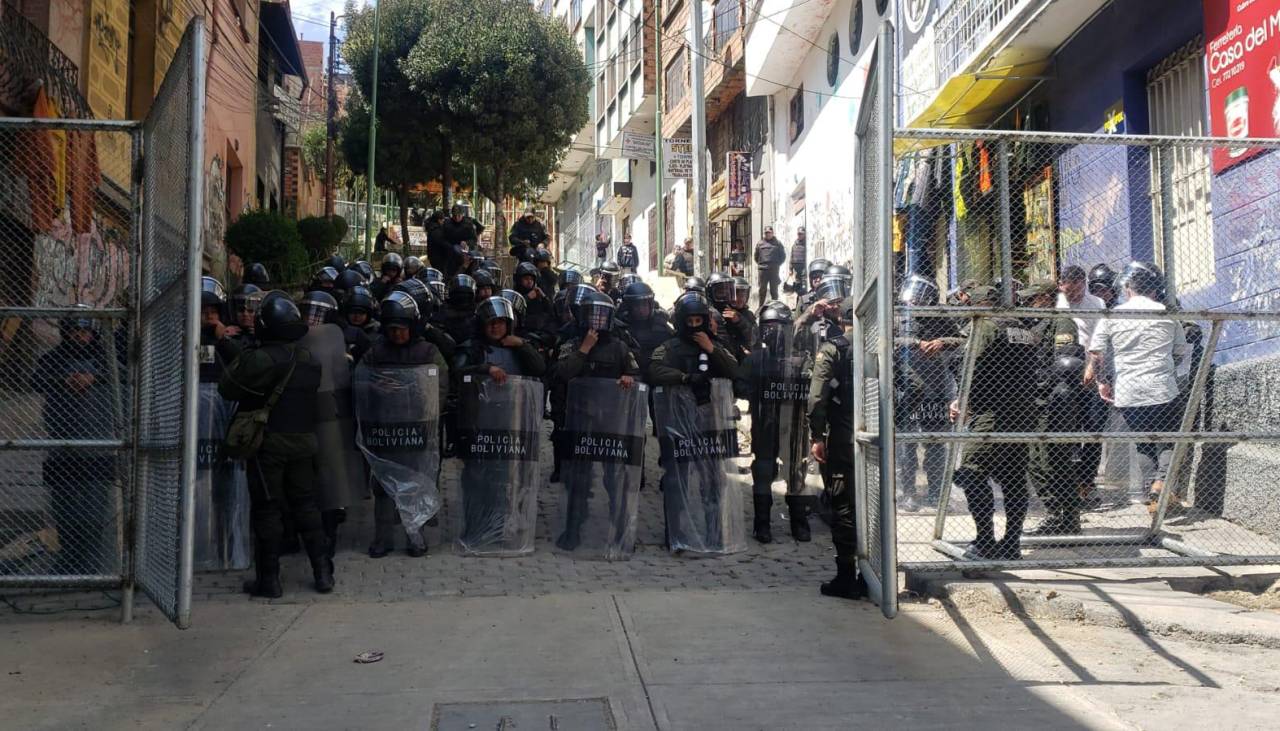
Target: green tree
<point x="509" y="86"/>
<point x="319" y="236"/>
<point x="272" y="239"/>
<point x="410" y="149"/>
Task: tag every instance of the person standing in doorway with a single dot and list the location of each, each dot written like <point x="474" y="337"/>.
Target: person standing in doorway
<point x="799" y="257"/>
<point x="769" y="255"/>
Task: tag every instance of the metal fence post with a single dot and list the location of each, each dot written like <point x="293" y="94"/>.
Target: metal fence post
<point x="884" y="207"/>
<point x="1006" y="223"/>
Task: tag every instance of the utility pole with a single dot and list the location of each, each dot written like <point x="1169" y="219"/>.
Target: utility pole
<point x="373" y="142"/>
<point x="331" y="124"/>
<point x="699" y="141"/>
<point x="659" y="207"/>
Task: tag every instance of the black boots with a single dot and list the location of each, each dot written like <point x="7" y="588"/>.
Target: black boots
<point x="321" y="568"/>
<point x="330" y="520"/>
<point x="761" y="526"/>
<point x="266" y="568"/>
<point x="847" y="584"/>
<point x="799" y="518"/>
<point x="417" y="547"/>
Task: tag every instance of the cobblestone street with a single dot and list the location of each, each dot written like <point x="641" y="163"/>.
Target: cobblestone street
<point x="784" y="563"/>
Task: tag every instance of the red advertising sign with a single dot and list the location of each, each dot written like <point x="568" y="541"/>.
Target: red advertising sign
<point x="1242" y="45"/>
<point x="738" y="186"/>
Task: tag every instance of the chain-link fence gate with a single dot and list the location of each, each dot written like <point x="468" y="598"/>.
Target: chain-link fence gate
<point x="1083" y="346"/>
<point x="99" y="224"/>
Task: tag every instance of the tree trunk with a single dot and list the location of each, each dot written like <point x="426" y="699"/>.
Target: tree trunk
<point x="447" y="175"/>
<point x="402" y="197"/>
<point x="499" y="215"/>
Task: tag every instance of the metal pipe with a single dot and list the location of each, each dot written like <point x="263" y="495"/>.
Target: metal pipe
<point x="1055" y="314"/>
<point x="958" y="437"/>
<point x="1176" y="546"/>
<point x="659" y="207"/>
<point x="698" y="137"/>
<point x="190" y="354"/>
<point x="1167" y="224"/>
<point x="1189" y="412"/>
<point x="1049" y="564"/>
<point x="65" y="581"/>
<point x="373" y="143"/>
<point x="884" y="204"/>
<point x="62" y="123"/>
<point x="128" y="568"/>
<point x="1006" y="223"/>
<point x="107" y="313"/>
<point x="1089" y="539"/>
<point x="41" y="444"/>
<point x="1080" y="138"/>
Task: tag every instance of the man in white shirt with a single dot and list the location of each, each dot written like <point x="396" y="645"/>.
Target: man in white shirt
<point x="1146" y="353"/>
<point x="1073" y="294"/>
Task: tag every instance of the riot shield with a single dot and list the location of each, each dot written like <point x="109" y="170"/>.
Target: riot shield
<point x="222" y="538"/>
<point x="500" y="442"/>
<point x="397" y="428"/>
<point x="781" y="402"/>
<point x="702" y="497"/>
<point x="602" y="453"/>
<point x="339" y="467"/>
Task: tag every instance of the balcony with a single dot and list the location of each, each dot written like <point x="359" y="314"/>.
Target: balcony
<point x="724" y="66"/>
<point x="26" y="57"/>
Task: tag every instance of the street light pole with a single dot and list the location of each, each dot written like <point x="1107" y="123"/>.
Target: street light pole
<point x="373" y="141"/>
<point x="659" y="208"/>
<point x="699" y="141"/>
<point x="331" y="110"/>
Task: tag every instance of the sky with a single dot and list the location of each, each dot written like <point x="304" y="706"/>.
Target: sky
<point x="311" y="18"/>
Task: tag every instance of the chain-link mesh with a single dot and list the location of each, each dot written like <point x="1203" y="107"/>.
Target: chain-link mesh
<point x="164" y="337"/>
<point x="1113" y="402"/>
<point x="65" y="227"/>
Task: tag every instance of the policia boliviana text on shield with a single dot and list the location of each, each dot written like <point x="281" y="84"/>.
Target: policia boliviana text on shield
<point x="366" y="383"/>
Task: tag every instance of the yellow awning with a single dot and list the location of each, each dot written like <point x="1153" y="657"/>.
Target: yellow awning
<point x="973" y="100"/>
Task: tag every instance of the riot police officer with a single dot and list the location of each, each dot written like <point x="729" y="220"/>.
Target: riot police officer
<point x="424" y="297"/>
<point x="830" y="408"/>
<point x="538" y="317"/>
<point x="647" y="323"/>
<point x="1057" y="469"/>
<point x="325" y="279"/>
<point x="485" y="286"/>
<point x="390" y="273"/>
<point x="775" y="380"/>
<point x="606" y="277"/>
<point x="816" y="269"/>
<point x="257" y="275"/>
<point x="458" y="318"/>
<point x="412" y="265"/>
<point x="830" y="291"/>
<point x="358" y="324"/>
<point x="282" y="475"/>
<point x="400" y="345"/>
<point x="591" y="349"/>
<point x="1002" y="398"/>
<point x="548" y="277"/>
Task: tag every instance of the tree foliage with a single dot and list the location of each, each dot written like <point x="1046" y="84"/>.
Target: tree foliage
<point x="272" y="239"/>
<point x="319" y="236"/>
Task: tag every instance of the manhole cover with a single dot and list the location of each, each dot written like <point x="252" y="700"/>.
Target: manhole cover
<point x="569" y="714"/>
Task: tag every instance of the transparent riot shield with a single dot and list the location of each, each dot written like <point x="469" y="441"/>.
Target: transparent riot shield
<point x="784" y="391"/>
<point x="397" y="428"/>
<point x="339" y="467"/>
<point x="222" y="538"/>
<point x="701" y="493"/>
<point x="500" y="442"/>
<point x="601" y="460"/>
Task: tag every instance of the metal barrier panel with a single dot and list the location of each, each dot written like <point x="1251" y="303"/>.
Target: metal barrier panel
<point x="66" y="235"/>
<point x="873" y="445"/>
<point x="1057" y="404"/>
<point x="168" y="308"/>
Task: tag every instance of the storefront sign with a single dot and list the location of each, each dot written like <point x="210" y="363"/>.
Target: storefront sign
<point x="738" y="185"/>
<point x="677" y="158"/>
<point x="637" y="146"/>
<point x="1242" y="43"/>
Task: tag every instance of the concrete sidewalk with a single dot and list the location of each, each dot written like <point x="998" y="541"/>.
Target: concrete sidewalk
<point x="644" y="660"/>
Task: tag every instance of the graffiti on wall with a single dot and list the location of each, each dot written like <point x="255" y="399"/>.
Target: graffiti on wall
<point x="214" y="221"/>
<point x="830" y="226"/>
<point x="90" y="268"/>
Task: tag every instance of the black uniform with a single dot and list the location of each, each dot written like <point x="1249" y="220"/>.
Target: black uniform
<point x="282" y="475"/>
<point x="1057" y="470"/>
<point x="525" y="237"/>
<point x="628" y="257"/>
<point x="831" y="422"/>
<point x="459" y="233"/>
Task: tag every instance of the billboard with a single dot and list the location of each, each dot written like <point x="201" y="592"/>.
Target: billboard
<point x="738" y="185"/>
<point x="677" y="158"/>
<point x="1242" y="43"/>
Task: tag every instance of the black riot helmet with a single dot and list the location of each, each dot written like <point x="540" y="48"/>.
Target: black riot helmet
<point x="365" y="269"/>
<point x="422" y="295"/>
<point x="775" y="327"/>
<point x="518" y="304"/>
<point x="720" y="289"/>
<point x="246" y="298"/>
<point x="337" y="262"/>
<point x="318" y="307"/>
<point x="412" y="265"/>
<point x="391" y="262"/>
<point x="626" y="280"/>
<point x="817" y="268"/>
<point x="1102" y="280"/>
<point x="462" y="291"/>
<point x="560" y="305"/>
<point x="496" y="308"/>
<point x="695" y="284"/>
<point x="636" y="295"/>
<point x="741" y="292"/>
<point x="1144" y="279"/>
<point x="326" y="278"/>
<point x="360" y="299"/>
<point x="398" y="308"/>
<point x="483" y="278"/>
<point x="833" y="287"/>
<point x="279" y="319"/>
<point x="435" y="280"/>
<point x="211" y="293"/>
<point x="257" y="275"/>
<point x="917" y="291"/>
<point x="495" y="272"/>
<point x="688" y="305"/>
<point x="540" y="255"/>
<point x="348" y="279"/>
<point x="525" y="269"/>
<point x="595" y="312"/>
<point x="609" y="269"/>
<point x="570" y="278"/>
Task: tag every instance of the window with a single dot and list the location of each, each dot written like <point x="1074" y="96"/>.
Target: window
<point x="855" y="28"/>
<point x="833" y="60"/>
<point x="676" y="81"/>
<point x="797" y="114"/>
<point x="725" y="18"/>
<point x="1175" y="102"/>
